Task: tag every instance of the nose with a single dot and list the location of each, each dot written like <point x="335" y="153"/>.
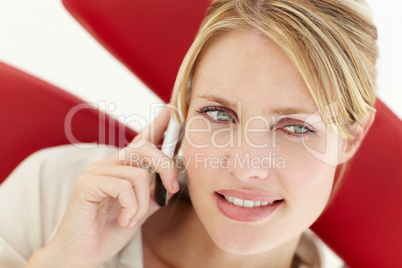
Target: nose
<point x="249" y="172"/>
<point x="252" y="160"/>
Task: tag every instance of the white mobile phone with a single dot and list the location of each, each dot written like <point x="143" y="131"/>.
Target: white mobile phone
<point x="169" y="147"/>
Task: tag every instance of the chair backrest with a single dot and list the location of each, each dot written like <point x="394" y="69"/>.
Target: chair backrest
<point x="35" y="115"/>
<point x="363" y="223"/>
<point x="162" y="31"/>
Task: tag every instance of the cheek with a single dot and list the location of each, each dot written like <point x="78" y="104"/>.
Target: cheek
<point x="307" y="182"/>
<point x="204" y="146"/>
<point x="197" y="133"/>
<point x="194" y="157"/>
<point x="204" y="165"/>
<point x="200" y="180"/>
<point x="308" y="177"/>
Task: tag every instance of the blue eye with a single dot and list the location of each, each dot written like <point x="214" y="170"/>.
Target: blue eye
<point x="297" y="129"/>
<point x="220" y="115"/>
<point x="294" y="127"/>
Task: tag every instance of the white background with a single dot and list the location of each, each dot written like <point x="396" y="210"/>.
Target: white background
<point x="40" y="37"/>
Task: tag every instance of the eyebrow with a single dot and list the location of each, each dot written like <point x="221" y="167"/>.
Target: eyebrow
<point x="218" y="100"/>
<point x="274" y="111"/>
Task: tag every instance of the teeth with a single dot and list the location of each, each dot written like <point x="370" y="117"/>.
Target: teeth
<point x="246" y="203"/>
<point x="238" y="202"/>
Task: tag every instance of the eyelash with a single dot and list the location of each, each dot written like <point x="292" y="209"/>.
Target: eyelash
<point x="218" y="109"/>
<point x="296" y="135"/>
<point x="204" y="110"/>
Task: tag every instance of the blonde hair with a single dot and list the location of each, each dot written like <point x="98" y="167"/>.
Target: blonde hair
<point x="332" y="43"/>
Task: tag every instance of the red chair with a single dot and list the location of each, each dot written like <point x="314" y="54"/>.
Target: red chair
<point x="363" y="223"/>
<point x="36" y="115"/>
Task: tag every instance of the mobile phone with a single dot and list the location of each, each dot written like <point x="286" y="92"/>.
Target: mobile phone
<point x="170" y="145"/>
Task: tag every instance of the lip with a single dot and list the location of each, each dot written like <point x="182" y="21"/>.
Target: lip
<point x="250" y="195"/>
<point x="243" y="214"/>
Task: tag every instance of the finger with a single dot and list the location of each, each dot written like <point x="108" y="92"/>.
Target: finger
<point x="146" y="155"/>
<point x="101" y="187"/>
<point x="151" y="156"/>
<point x="139" y="179"/>
<point x="123" y="172"/>
<point x="154" y="132"/>
<point x="152" y="201"/>
<point x="141" y="191"/>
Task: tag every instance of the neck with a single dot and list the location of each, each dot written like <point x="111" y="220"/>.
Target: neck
<point x="172" y="232"/>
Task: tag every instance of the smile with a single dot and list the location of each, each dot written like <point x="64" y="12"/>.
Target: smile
<point x="246" y="203"/>
<point x="247" y="206"/>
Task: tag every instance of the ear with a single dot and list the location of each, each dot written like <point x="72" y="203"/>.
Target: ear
<point x="359" y="132"/>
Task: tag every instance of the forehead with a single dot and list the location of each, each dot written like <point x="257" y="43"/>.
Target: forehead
<point x="248" y="66"/>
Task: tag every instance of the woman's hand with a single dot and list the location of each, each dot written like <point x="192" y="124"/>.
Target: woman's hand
<point x="111" y="200"/>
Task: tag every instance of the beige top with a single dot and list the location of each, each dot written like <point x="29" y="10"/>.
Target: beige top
<point x="34" y="198"/>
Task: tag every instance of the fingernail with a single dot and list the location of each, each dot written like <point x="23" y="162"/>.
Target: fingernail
<point x="175" y="185"/>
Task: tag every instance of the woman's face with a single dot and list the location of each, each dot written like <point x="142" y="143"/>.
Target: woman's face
<point x="250" y="132"/>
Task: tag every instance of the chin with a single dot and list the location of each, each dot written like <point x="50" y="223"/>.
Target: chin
<point x="241" y="250"/>
<point x="240" y="243"/>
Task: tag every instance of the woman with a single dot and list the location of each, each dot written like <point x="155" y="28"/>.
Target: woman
<point x="274" y="95"/>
